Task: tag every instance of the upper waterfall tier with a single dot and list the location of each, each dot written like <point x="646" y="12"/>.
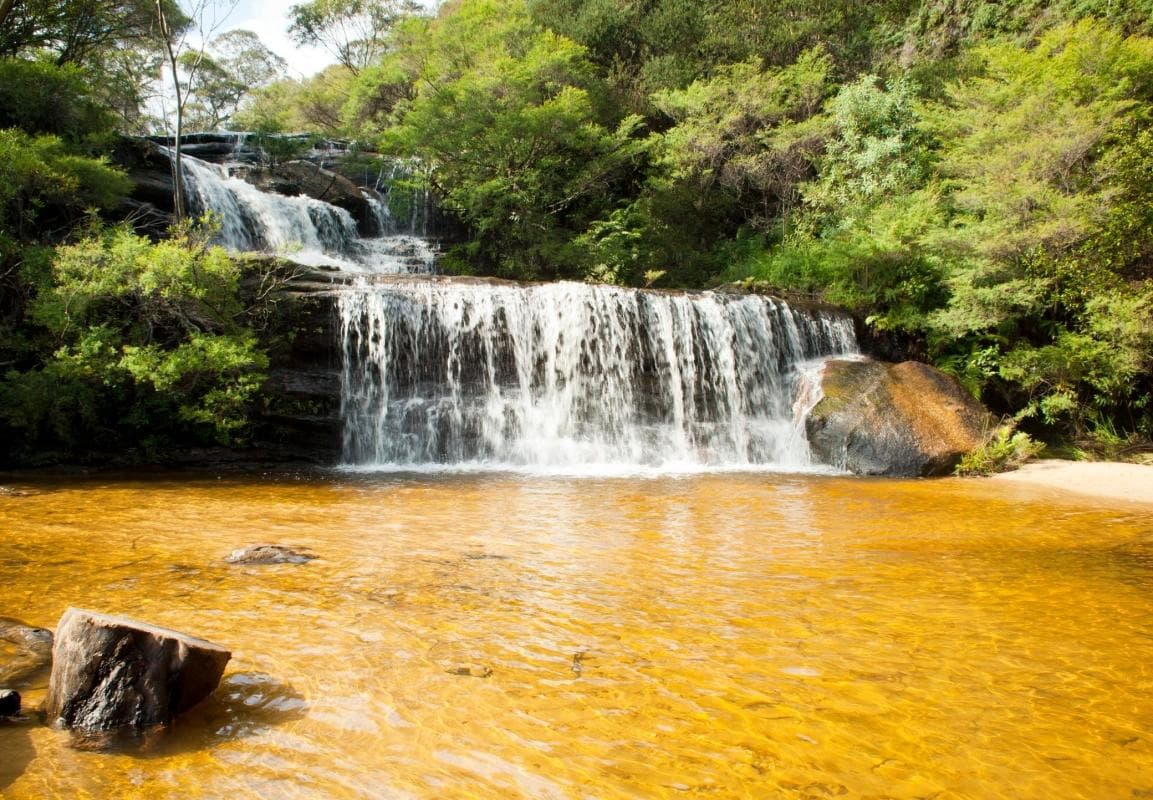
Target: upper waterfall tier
<point x="570" y="376"/>
<point x="302" y="228"/>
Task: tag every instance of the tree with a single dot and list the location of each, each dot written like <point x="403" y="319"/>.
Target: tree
<point x="236" y="64"/>
<point x="355" y="32"/>
<point x="146" y="343"/>
<point x="504" y="120"/>
<point x="206" y="18"/>
<point x="743" y="132"/>
<point x="79" y="31"/>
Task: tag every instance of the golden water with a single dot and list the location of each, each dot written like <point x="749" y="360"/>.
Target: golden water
<point x="736" y="636"/>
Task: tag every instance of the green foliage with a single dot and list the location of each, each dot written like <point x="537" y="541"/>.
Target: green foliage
<point x="45" y="187"/>
<point x="145" y="344"/>
<point x="743" y="131"/>
<point x="40" y="97"/>
<point x="502" y="117"/>
<point x="80" y="32"/>
<point x="877" y="150"/>
<point x="643" y="48"/>
<point x="1006" y="451"/>
<point x="1004" y="224"/>
<point x="313" y="105"/>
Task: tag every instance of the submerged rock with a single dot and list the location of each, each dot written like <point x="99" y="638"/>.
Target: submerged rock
<point x="269" y="554"/>
<point x="470" y="670"/>
<point x="116" y="674"/>
<point x="25" y="652"/>
<point x="899" y="420"/>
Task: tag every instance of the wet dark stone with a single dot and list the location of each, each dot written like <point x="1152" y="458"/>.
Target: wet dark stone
<point x="116" y="674"/>
<point x="9" y="703"/>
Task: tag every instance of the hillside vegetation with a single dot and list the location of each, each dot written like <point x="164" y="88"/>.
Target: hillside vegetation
<point x="970" y="178"/>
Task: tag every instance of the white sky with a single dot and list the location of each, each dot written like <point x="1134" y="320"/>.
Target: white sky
<point x="268" y="19"/>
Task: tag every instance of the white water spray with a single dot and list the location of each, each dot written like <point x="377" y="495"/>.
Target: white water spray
<point x="572" y="376"/>
<point x="304" y="229"/>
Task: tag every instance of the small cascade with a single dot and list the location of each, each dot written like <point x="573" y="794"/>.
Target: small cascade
<point x="571" y="376"/>
<point x="405" y="204"/>
<point x="307" y="230"/>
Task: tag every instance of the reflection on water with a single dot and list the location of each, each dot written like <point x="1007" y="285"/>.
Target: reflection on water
<point x="487" y="636"/>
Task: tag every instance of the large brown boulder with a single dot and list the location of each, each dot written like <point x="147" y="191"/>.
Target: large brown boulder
<point x="115" y="674"/>
<point x="905" y="419"/>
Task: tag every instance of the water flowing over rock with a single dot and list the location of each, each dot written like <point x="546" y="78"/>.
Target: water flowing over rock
<point x="432" y="373"/>
<point x="115" y="674"/>
<point x="905" y="419"/>
<point x="571" y="375"/>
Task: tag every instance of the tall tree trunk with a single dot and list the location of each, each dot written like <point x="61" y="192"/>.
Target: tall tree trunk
<point x="178" y="205"/>
<point x="6" y="8"/>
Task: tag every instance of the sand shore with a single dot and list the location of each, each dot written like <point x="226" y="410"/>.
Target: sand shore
<point x="1106" y="480"/>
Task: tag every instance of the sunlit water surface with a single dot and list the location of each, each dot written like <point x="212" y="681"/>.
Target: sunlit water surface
<point x="722" y="636"/>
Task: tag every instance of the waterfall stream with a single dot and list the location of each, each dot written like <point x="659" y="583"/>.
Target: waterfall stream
<point x="308" y="231"/>
<point x="440" y="373"/>
<point x="570" y="376"/>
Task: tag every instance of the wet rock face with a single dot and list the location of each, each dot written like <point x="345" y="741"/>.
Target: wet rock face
<point x="302" y="177"/>
<point x="115" y="674"/>
<point x="900" y="420"/>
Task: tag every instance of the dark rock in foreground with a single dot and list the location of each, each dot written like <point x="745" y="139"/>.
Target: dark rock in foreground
<point x="115" y="674"/>
<point x="900" y="420"/>
<point x="269" y="554"/>
<point x="9" y="703"/>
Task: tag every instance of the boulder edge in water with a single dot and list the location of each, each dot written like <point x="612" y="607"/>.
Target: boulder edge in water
<point x="898" y="420"/>
<point x="112" y="673"/>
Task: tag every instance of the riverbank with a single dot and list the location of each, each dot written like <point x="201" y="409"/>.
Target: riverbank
<point x="1107" y="480"/>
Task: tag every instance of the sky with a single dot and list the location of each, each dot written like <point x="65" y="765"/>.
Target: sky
<point x="268" y="19"/>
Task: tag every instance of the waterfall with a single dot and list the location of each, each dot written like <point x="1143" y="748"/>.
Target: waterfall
<point x="440" y="373"/>
<point x="572" y="376"/>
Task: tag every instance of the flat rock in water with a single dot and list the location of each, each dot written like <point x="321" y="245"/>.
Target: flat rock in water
<point x="116" y="674"/>
<point x="905" y="419"/>
<point x="269" y="554"/>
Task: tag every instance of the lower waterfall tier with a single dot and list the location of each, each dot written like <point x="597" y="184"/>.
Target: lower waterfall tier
<point x="572" y="376"/>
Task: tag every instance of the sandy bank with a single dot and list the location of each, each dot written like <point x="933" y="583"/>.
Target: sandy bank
<point x="1105" y="480"/>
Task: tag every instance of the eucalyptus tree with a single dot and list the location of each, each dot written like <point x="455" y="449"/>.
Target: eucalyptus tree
<point x="355" y="32"/>
<point x="205" y="18"/>
<point x="236" y="63"/>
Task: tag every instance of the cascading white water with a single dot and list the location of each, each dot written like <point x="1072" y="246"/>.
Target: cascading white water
<point x="571" y="376"/>
<point x="309" y="231"/>
<point x="565" y="377"/>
